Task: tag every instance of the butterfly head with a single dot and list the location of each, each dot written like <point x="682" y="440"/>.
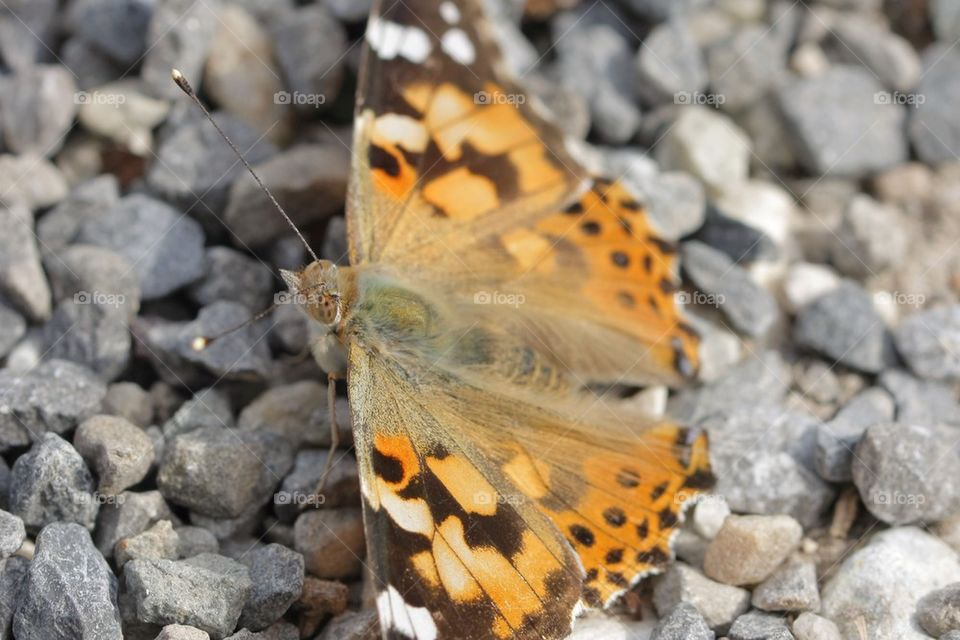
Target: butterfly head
<point x="316" y="288"/>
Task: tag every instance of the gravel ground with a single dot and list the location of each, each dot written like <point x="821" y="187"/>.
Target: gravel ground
<point x="806" y="155"/>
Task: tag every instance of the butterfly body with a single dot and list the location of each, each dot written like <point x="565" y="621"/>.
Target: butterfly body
<point x="493" y="282"/>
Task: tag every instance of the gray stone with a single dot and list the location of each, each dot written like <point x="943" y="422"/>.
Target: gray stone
<point x="934" y="129"/>
<point x="119" y="452"/>
<point x="69" y="591"/>
<point x="758" y="625"/>
<point x="747" y="549"/>
<point x="182" y="632"/>
<point x="309" y="182"/>
<point x="341" y="488"/>
<point x="945" y="18"/>
<point x="12" y="328"/>
<point x="838" y="126"/>
<point x="296" y="411"/>
<point x="707" y="145"/>
<point x="683" y="622"/>
<point x="12" y="534"/>
<point x="91" y="66"/>
<point x="762" y="380"/>
<point x="743" y="67"/>
<point x="31" y="180"/>
<point x="86" y="201"/>
<point x="353" y="625"/>
<point x="728" y="287"/>
<point x="180" y="33"/>
<point x="119" y="112"/>
<point x="856" y="39"/>
<point x="129" y="401"/>
<point x="206" y="591"/>
<point x="810" y="626"/>
<point x="51" y="483"/>
<point x="195" y="167"/>
<point x="233" y="276"/>
<point x="869" y="239"/>
<point x="331" y="541"/>
<point x="94" y="276"/>
<point x="221" y="473"/>
<point x="28" y="29"/>
<point x="905" y="474"/>
<point x="207" y="408"/>
<point x="240" y="355"/>
<point x="929" y="341"/>
<point x="126" y="516"/>
<point x="670" y="64"/>
<point x="740" y="242"/>
<point x="837" y="438"/>
<point x="938" y="612"/>
<point x="844" y="326"/>
<point x="920" y="401"/>
<point x="91" y="331"/>
<point x="877" y="587"/>
<point x="37" y="109"/>
<point x="595" y="61"/>
<point x="278" y="631"/>
<point x="792" y="587"/>
<point x="164" y="246"/>
<point x="118" y="29"/>
<point x="719" y="604"/>
<point x="192" y="541"/>
<point x="158" y="542"/>
<point x="13" y="570"/>
<point x="22" y="279"/>
<point x="310" y="49"/>
<point x="277" y="576"/>
<point x="765" y="126"/>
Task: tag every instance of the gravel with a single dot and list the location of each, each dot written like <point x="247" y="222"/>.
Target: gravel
<point x="683" y="622"/>
<point x="930" y="343"/>
<point x="719" y="604"/>
<point x="792" y="587"/>
<point x="277" y="576"/>
<point x="21" y="275"/>
<point x="12" y="534"/>
<point x="747" y="549"/>
<point x="119" y="452"/>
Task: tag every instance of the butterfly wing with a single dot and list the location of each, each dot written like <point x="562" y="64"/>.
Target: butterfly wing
<point x="475" y="502"/>
<point x="458" y="179"/>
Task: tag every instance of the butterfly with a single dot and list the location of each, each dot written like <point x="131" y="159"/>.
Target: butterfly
<point x="493" y="281"/>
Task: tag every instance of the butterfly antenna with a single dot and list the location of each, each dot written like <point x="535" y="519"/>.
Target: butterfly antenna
<point x="187" y="89"/>
<point x="202" y="342"/>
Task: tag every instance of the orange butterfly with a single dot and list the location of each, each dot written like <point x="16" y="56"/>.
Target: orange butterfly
<point x="491" y="280"/>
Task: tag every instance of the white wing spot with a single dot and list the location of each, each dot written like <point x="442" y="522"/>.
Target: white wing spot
<point x="458" y="46"/>
<point x="449" y="12"/>
<point x="397" y="615"/>
<point x="389" y="39"/>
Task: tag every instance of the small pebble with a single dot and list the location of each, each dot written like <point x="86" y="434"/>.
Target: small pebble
<point x="837" y="438"/>
<point x="277" y="576"/>
<point x="298" y="490"/>
<point x="757" y="625"/>
<point x="12" y="534"/>
<point x="192" y="541"/>
<point x="296" y="411"/>
<point x="792" y="587"/>
<point x="127" y="515"/>
<point x="207" y="408"/>
<point x="129" y="401"/>
<point x="13" y="570"/>
<point x="231" y="275"/>
<point x="719" y="604"/>
<point x="206" y="591"/>
<point x="221" y="473"/>
<point x="933" y="126"/>
<point x="30" y="180"/>
<point x="50" y="483"/>
<point x="90" y="333"/>
<point x="179" y="34"/>
<point x="708" y="516"/>
<point x="670" y="65"/>
<point x="856" y="39"/>
<point x="767" y="209"/>
<point x="119" y="452"/>
<point x="22" y="280"/>
<point x="353" y="625"/>
<point x="747" y="549"/>
<point x="12" y="328"/>
<point x="118" y="28"/>
<point x="331" y="541"/>
<point x="320" y="600"/>
<point x="869" y="240"/>
<point x="743" y="67"/>
<point x="310" y="50"/>
<point x="37" y="111"/>
<point x="930" y="343"/>
<point x="920" y="401"/>
<point x="683" y="622"/>
<point x="810" y="626"/>
<point x="182" y="632"/>
<point x="156" y="543"/>
<point x="69" y="591"/>
<point x="279" y="631"/>
<point x="938" y="612"/>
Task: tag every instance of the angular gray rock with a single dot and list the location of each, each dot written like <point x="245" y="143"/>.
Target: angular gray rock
<point x="220" y="472"/>
<point x="277" y="576"/>
<point x="839" y="127"/>
<point x="837" y="439"/>
<point x="119" y="452"/>
<point x="37" y="109"/>
<point x="207" y="408"/>
<point x="856" y="39"/>
<point x="12" y="534"/>
<point x="131" y="513"/>
<point x="12" y="328"/>
<point x="843" y="326"/>
<point x="22" y="279"/>
<point x="792" y="587"/>
<point x="129" y="401"/>
<point x="69" y="592"/>
<point x="719" y="604"/>
<point x="50" y="483"/>
<point x="747" y="549"/>
<point x="179" y="35"/>
<point x="93" y="275"/>
<point x="310" y="48"/>
<point x="156" y="543"/>
<point x="683" y="622"/>
<point x="90" y="333"/>
<point x="231" y="275"/>
<point x="206" y="592"/>
<point x="758" y="625"/>
<point x="116" y="28"/>
<point x="920" y="401"/>
<point x="810" y="626"/>
<point x="929" y="341"/>
<point x="670" y="64"/>
<point x="938" y="612"/>
<point x="934" y="130"/>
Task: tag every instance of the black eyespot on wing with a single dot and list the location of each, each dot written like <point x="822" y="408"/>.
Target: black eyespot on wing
<point x="582" y="535"/>
<point x="382" y="159"/>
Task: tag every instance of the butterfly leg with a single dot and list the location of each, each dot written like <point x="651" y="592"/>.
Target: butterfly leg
<point x="334" y="430"/>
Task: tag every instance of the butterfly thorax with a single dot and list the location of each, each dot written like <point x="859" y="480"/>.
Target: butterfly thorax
<point x="323" y="290"/>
